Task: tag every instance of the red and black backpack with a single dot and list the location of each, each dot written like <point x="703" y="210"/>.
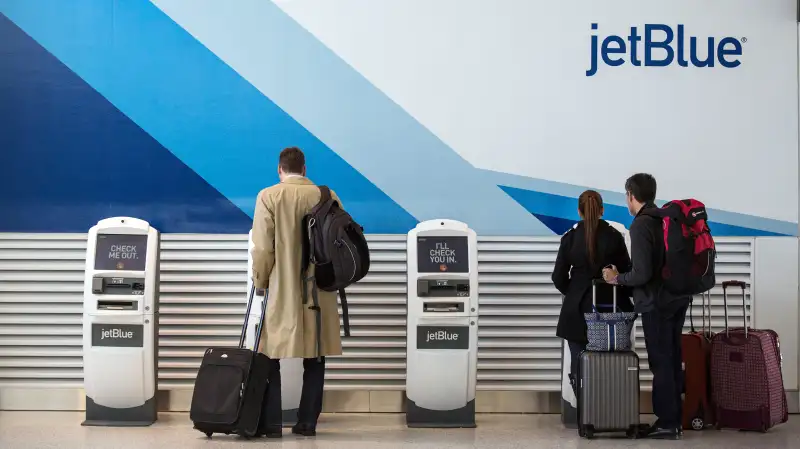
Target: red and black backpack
<point x="689" y="250"/>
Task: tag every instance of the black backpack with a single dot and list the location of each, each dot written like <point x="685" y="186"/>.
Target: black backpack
<point x="335" y="244"/>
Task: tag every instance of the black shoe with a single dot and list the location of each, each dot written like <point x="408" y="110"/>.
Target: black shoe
<point x="271" y="432"/>
<point x="306" y="430"/>
<point x="663" y="433"/>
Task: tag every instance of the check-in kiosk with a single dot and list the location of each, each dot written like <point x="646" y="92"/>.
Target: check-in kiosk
<point x="442" y="325"/>
<point x="120" y="323"/>
<point x="291" y="369"/>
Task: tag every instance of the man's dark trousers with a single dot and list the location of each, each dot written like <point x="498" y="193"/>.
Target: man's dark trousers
<point x="662" y="334"/>
<point x="310" y="398"/>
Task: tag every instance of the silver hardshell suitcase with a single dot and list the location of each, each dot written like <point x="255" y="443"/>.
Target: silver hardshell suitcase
<point x="608" y="392"/>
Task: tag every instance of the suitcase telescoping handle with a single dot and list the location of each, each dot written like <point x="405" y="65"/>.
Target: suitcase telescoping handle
<point x="247" y="318"/>
<point x="595" y="283"/>
<point x="743" y="286"/>
<point x="705" y="301"/>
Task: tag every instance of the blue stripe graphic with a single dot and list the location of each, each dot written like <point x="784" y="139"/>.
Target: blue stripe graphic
<point x="70" y="158"/>
<point x="358" y="121"/>
<point x="565" y="210"/>
<point x="191" y="102"/>
<point x="556" y="204"/>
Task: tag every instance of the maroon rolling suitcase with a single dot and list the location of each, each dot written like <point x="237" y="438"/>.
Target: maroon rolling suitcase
<point x="698" y="406"/>
<point x="746" y="379"/>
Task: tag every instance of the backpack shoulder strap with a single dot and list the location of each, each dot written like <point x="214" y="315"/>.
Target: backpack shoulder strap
<point x="325" y="193"/>
<point x="305" y="258"/>
<point x="326" y="202"/>
<point x="307" y="237"/>
<point x="306" y="245"/>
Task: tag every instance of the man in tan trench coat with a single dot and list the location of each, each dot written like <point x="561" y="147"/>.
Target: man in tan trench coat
<point x="290" y="326"/>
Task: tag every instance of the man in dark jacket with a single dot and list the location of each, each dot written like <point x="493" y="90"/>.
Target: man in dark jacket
<point x="662" y="316"/>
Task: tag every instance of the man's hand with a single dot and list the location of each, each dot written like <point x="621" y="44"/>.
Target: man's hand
<point x="610" y="274"/>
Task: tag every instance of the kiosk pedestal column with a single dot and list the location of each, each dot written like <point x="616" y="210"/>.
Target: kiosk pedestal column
<point x="442" y="329"/>
<point x="120" y="323"/>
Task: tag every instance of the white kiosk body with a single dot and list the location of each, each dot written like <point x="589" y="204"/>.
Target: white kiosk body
<point x="442" y="325"/>
<point x="120" y="323"/>
<point x="291" y="369"/>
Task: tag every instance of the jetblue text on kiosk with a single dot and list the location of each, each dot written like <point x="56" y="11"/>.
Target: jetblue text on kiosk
<point x="442" y="335"/>
<point x="115" y="333"/>
<point x="662" y="47"/>
<point x="443" y="254"/>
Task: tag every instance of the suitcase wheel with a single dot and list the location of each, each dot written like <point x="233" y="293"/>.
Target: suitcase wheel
<point x="208" y="434"/>
<point x="698" y="424"/>
<point x="588" y="433"/>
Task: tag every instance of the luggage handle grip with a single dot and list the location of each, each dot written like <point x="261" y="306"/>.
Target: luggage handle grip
<point x="743" y="286"/>
<point x="595" y="283"/>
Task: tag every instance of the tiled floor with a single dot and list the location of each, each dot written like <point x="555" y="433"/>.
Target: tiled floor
<point x="40" y="430"/>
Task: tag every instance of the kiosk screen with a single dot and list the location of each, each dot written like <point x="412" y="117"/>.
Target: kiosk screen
<point x="120" y="252"/>
<point x="442" y="254"/>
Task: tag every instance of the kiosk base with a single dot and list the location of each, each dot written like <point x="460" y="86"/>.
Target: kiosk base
<point x="141" y="416"/>
<point x="569" y="415"/>
<point x="418" y="417"/>
<point x="289" y="417"/>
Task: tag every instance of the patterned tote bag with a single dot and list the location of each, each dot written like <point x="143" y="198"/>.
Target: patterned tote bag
<point x="609" y="331"/>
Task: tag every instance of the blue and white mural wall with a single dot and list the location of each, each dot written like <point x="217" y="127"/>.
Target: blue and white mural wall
<point x="495" y="113"/>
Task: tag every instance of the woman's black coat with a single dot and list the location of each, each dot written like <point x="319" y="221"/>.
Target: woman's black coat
<point x="573" y="274"/>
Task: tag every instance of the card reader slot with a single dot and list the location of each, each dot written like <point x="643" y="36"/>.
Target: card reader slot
<point x="108" y="304"/>
<point x="443" y="307"/>
<point x="442" y="288"/>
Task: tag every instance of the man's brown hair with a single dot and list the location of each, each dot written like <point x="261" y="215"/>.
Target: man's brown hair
<point x="292" y="160"/>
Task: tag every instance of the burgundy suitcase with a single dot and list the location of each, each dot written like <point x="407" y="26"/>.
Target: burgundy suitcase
<point x="698" y="408"/>
<point x="746" y="379"/>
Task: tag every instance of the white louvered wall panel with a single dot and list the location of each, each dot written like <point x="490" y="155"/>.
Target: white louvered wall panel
<point x="203" y="298"/>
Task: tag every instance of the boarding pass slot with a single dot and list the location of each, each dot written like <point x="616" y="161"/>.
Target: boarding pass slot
<point x="443" y="307"/>
<point x="105" y="304"/>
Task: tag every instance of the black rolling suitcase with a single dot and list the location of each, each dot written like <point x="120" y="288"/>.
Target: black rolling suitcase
<point x="608" y="392"/>
<point x="231" y="386"/>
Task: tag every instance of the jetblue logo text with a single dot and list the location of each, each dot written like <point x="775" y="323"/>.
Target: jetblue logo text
<point x="662" y="47"/>
<point x="442" y="337"/>
<point x="118" y="335"/>
<point x="115" y="333"/>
